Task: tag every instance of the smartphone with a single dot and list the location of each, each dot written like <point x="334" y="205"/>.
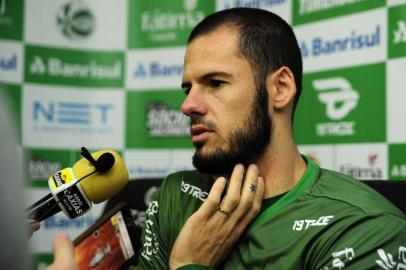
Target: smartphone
<point x="111" y="243"/>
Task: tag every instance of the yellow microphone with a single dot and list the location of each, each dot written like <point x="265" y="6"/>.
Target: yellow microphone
<point x="94" y="178"/>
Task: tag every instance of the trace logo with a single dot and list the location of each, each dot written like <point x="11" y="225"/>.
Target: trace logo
<point x="386" y="260"/>
<point x="194" y="191"/>
<point x="340" y="99"/>
<point x="75" y="20"/>
<point x="338" y="103"/>
<point x="399" y="35"/>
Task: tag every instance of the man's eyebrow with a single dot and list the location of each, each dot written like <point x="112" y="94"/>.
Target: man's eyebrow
<point x="206" y="77"/>
<point x="209" y="75"/>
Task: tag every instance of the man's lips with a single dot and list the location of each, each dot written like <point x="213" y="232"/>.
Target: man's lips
<point x="199" y="133"/>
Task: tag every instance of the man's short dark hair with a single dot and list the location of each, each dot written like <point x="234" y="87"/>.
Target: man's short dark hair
<point x="266" y="40"/>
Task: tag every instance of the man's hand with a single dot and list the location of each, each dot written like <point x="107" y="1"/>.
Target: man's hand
<point x="211" y="232"/>
<point x="64" y="254"/>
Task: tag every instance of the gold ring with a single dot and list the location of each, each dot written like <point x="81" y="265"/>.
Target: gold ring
<point x="228" y="213"/>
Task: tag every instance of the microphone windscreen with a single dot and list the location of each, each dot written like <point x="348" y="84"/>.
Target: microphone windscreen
<point x="101" y="186"/>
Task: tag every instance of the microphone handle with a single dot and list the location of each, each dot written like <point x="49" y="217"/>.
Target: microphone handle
<point x="42" y="209"/>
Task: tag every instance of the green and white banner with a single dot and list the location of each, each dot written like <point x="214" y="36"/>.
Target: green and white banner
<point x="106" y="74"/>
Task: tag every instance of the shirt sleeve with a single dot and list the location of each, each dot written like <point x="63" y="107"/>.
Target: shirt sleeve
<point x="371" y="242"/>
<point x="154" y="253"/>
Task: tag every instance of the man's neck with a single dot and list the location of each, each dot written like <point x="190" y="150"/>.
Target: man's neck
<point x="282" y="167"/>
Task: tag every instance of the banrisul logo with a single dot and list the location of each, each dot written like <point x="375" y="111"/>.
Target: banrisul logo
<point x="351" y="42"/>
<point x="75" y="20"/>
<point x="305" y="11"/>
<point x="163" y="121"/>
<point x="335" y="105"/>
<point x="397" y="161"/>
<point x="397" y="31"/>
<point x="70" y="67"/>
<point x="154" y="120"/>
<point x="11" y="17"/>
<point x="158" y="23"/>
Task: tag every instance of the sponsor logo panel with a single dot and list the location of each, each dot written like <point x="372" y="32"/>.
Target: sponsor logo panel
<point x="363" y="161"/>
<point x="389" y="261"/>
<point x="397" y="31"/>
<point x="322" y="155"/>
<point x="305" y="11"/>
<point x="11" y="19"/>
<point x="154" y="120"/>
<point x="157" y="163"/>
<point x="397" y="162"/>
<point x="396" y="95"/>
<point x="70" y="67"/>
<point x="356" y="40"/>
<point x="336" y="104"/>
<point x="156" y="24"/>
<point x="41" y="241"/>
<point x="396" y="2"/>
<point x="11" y="95"/>
<point x="66" y="118"/>
<point x="11" y="69"/>
<point x="41" y="164"/>
<point x="77" y="24"/>
<point x="281" y="7"/>
<point x="155" y="68"/>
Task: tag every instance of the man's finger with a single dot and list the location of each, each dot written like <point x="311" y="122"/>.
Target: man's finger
<point x="64" y="252"/>
<point x="248" y="190"/>
<point x="256" y="205"/>
<point x="210" y="206"/>
<point x="232" y="198"/>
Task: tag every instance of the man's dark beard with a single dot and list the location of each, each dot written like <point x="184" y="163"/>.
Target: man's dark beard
<point x="247" y="144"/>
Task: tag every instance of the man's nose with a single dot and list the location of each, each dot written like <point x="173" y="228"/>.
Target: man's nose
<point x="194" y="103"/>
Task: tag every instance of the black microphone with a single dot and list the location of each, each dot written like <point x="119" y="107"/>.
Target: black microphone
<point x="102" y="178"/>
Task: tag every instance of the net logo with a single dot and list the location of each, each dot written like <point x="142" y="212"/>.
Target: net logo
<point x="76" y="21"/>
<point x="399" y="35"/>
<point x="163" y="121"/>
<point x="8" y="63"/>
<point x="68" y="113"/>
<point x="340" y="99"/>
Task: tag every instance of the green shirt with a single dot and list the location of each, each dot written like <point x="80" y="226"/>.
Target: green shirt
<point x="327" y="221"/>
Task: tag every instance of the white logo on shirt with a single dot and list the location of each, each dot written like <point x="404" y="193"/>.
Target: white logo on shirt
<point x="151" y="245"/>
<point x="340" y="258"/>
<point x="387" y="261"/>
<point x="194" y="191"/>
<point x="304" y="224"/>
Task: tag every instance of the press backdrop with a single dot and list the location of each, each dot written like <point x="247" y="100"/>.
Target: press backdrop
<point x="106" y="74"/>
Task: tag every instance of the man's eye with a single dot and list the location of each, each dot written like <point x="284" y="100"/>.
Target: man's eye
<point x="216" y="83"/>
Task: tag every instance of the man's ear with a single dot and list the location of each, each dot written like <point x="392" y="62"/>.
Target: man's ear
<point x="281" y="87"/>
